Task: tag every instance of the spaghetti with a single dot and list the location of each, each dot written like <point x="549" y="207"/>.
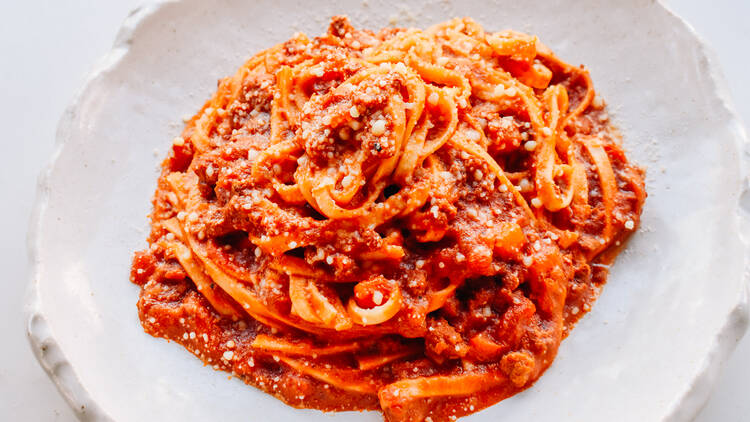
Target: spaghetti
<point x="405" y="220"/>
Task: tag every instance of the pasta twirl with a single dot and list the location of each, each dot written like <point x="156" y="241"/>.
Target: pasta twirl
<point x="404" y="220"/>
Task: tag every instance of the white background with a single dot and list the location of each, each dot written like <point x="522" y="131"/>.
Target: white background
<point x="47" y="48"/>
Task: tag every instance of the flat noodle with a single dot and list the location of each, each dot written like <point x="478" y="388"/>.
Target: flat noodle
<point x="450" y="385"/>
<point x="403" y="220"/>
<point x="368" y="362"/>
<point x="301" y="348"/>
<point x="348" y="380"/>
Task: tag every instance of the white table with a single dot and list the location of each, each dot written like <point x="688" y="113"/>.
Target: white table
<point x="46" y="49"/>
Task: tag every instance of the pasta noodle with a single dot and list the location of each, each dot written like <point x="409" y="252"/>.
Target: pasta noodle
<point x="401" y="220"/>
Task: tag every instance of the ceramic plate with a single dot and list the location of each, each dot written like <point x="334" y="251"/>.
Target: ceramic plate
<point x="650" y="349"/>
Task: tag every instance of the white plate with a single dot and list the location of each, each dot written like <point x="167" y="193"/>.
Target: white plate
<point x="649" y="350"/>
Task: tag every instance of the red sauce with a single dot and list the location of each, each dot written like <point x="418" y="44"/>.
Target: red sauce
<point x="408" y="221"/>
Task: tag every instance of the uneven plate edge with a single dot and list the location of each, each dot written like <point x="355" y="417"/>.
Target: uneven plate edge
<point x="697" y="393"/>
<point x="61" y="372"/>
<point x="43" y="344"/>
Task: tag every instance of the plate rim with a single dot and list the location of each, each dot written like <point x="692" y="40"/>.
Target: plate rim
<point x="52" y="359"/>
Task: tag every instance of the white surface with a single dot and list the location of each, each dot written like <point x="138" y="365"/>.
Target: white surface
<point x="51" y="46"/>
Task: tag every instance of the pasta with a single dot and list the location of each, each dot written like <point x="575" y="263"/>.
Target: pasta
<point x="404" y="220"/>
